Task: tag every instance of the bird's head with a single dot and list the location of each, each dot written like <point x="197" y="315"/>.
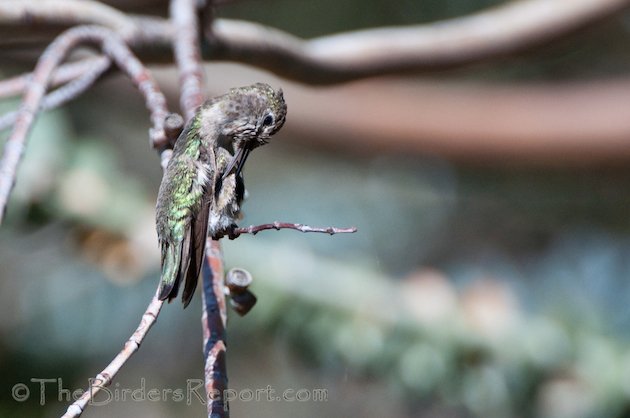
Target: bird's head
<point x="252" y="115"/>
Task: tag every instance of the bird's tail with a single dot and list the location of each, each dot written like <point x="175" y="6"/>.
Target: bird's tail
<point x="169" y="283"/>
<point x="180" y="261"/>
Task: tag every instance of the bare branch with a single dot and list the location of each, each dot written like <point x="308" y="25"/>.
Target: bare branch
<point x="173" y="127"/>
<point x="113" y="47"/>
<point x="66" y="12"/>
<point x="62" y="75"/>
<point x="187" y="55"/>
<point x="186" y="45"/>
<point x="572" y="124"/>
<point x="104" y="378"/>
<point x="213" y="324"/>
<point x="64" y="94"/>
<point x="15" y="144"/>
<point x="507" y="29"/>
<point x="511" y="28"/>
<point x="254" y="229"/>
<point x="581" y="123"/>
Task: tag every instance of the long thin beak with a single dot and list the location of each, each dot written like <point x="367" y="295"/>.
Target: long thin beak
<point x="238" y="161"/>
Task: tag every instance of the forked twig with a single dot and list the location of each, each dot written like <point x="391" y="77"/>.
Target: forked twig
<point x="104" y="378"/>
<point x="254" y="229"/>
<point x="61" y="75"/>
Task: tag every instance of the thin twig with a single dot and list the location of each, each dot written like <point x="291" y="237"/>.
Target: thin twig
<point x="104" y="378"/>
<point x="15" y="144"/>
<point x="254" y="229"/>
<point x="113" y="47"/>
<point x="63" y="74"/>
<point x="64" y="94"/>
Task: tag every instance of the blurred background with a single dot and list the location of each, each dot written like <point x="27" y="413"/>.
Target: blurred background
<point x="488" y="278"/>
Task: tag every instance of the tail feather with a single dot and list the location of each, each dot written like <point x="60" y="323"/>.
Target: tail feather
<point x="171" y="258"/>
<point x="184" y="269"/>
<point x="189" y="287"/>
<point x="180" y="261"/>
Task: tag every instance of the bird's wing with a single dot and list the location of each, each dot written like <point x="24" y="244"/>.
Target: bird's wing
<point x="198" y="234"/>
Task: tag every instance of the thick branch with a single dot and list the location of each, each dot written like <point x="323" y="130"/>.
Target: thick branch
<point x="186" y="45"/>
<point x="65" y="13"/>
<point x="187" y="55"/>
<point x="213" y="324"/>
<point x="571" y="124"/>
<point x="507" y="29"/>
<point x="511" y="28"/>
<point x="568" y="124"/>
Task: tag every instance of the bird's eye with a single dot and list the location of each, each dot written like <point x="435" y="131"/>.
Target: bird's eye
<point x="268" y="121"/>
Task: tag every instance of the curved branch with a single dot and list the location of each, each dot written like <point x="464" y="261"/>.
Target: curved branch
<point x="68" y="92"/>
<point x="15" y="144"/>
<point x="66" y="13"/>
<point x="112" y="46"/>
<point x="104" y="378"/>
<point x="507" y="29"/>
<point x="63" y="74"/>
<point x="511" y="28"/>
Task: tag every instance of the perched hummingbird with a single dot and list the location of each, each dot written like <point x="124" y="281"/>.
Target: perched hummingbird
<point x="202" y="188"/>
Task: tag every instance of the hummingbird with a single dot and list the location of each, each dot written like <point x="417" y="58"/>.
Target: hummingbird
<point x="202" y="188"/>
